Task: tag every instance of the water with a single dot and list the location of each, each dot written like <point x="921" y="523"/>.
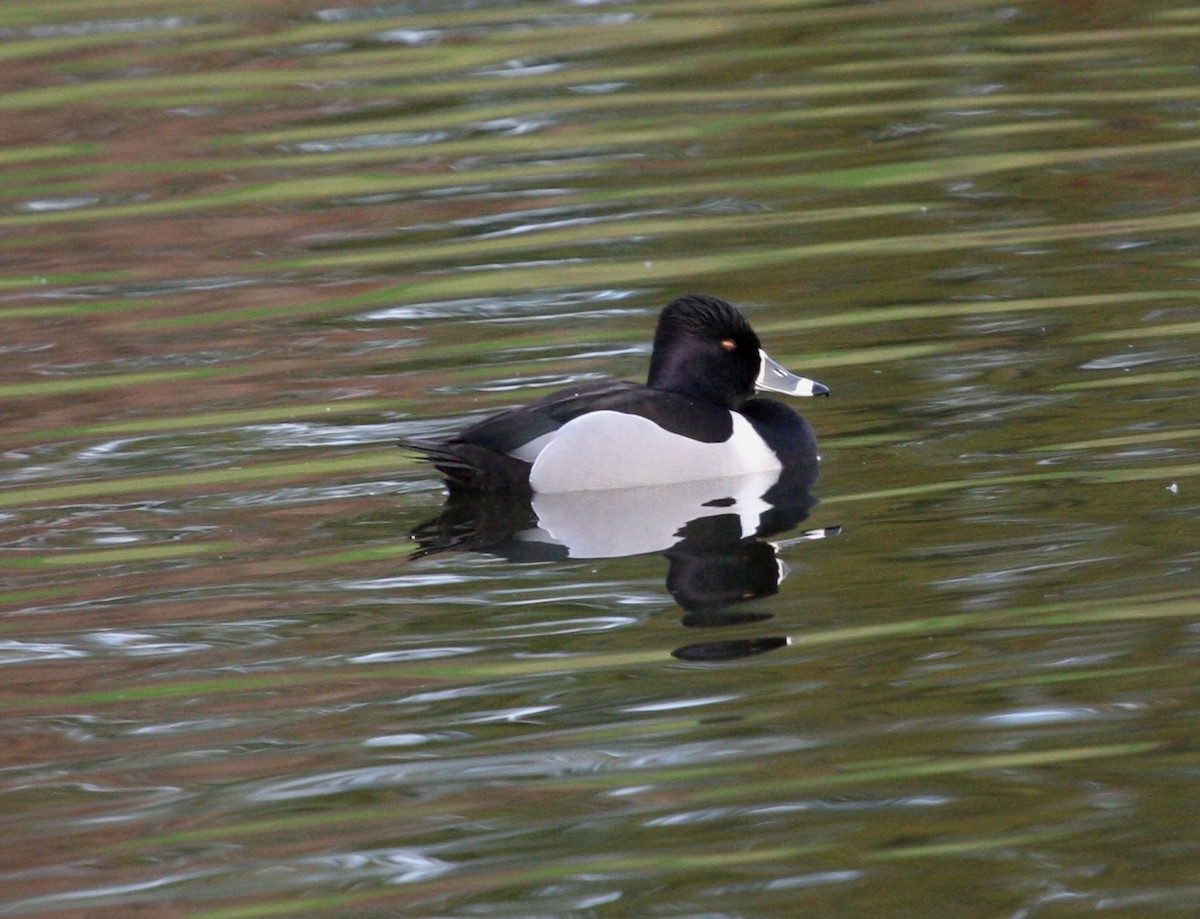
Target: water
<point x="244" y="250"/>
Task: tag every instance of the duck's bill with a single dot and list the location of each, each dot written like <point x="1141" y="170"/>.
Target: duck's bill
<point x="774" y="378"/>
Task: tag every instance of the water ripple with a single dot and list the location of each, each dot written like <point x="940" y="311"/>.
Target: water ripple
<point x="541" y="764"/>
<point x="15" y="651"/>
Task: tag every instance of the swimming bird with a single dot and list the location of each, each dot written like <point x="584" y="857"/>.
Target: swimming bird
<point x="695" y="418"/>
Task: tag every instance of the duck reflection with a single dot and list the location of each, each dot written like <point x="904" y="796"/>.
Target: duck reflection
<point x="719" y="536"/>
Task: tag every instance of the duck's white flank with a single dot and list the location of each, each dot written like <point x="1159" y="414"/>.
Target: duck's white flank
<point x="607" y="449"/>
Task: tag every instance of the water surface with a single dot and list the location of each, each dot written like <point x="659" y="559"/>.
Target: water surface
<point x="246" y="249"/>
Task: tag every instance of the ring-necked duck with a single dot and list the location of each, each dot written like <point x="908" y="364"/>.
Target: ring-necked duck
<point x="694" y="419"/>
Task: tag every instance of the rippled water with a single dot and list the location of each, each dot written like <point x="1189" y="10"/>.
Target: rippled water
<point x="246" y="247"/>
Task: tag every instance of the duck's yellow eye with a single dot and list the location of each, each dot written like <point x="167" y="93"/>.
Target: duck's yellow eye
<point x="728" y="344"/>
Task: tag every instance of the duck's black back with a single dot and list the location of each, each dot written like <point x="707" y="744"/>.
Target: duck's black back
<point x="678" y="414"/>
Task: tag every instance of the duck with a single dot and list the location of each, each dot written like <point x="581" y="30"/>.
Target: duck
<point x="697" y="417"/>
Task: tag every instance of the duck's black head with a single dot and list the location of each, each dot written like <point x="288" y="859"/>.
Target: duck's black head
<point x="705" y="348"/>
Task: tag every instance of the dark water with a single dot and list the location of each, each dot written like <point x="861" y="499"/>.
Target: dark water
<point x="245" y="247"/>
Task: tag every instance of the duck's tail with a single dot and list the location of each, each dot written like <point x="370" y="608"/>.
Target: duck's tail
<point x="467" y="467"/>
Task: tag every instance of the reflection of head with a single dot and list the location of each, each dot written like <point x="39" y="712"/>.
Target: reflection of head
<point x="704" y="578"/>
